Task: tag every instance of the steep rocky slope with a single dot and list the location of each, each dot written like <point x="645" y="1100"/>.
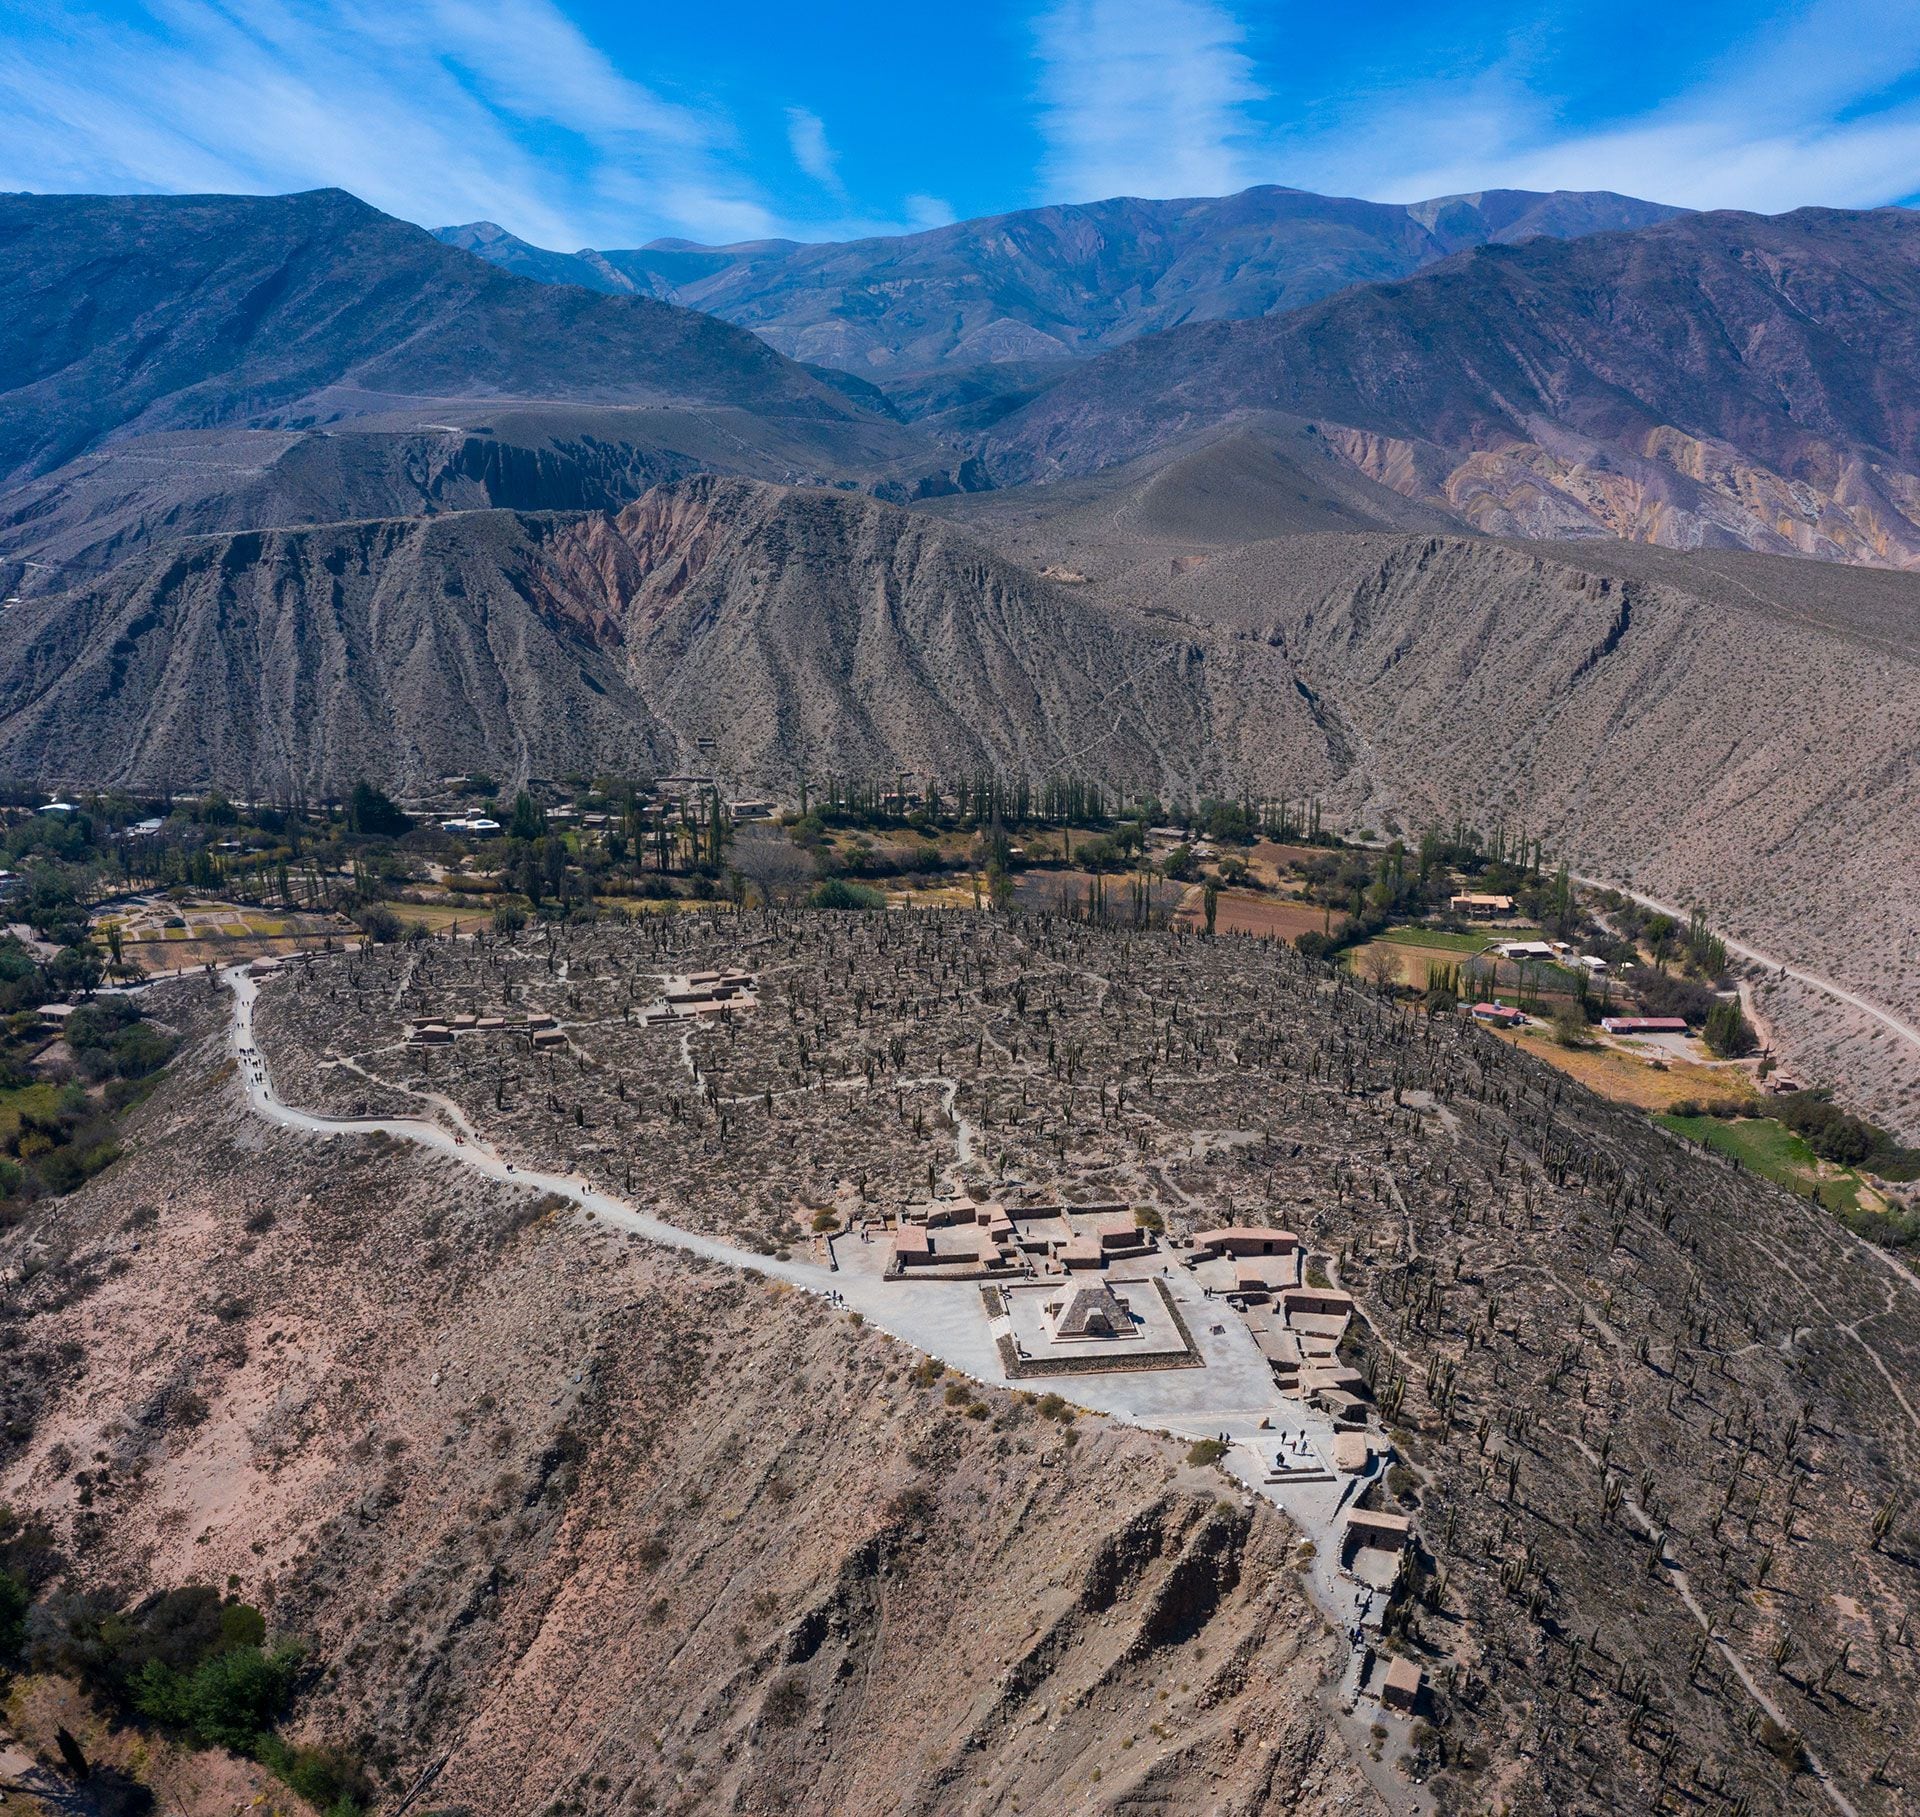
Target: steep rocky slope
<point x="1718" y="734"/>
<point x="1717" y="727"/>
<point x="410" y="647"/>
<point x="1048" y="283"/>
<point x="1687" y="740"/>
<point x="579" y="1524"/>
<point x="804" y="632"/>
<point x="811" y="633"/>
<point x="133" y="315"/>
<point x="1716" y="380"/>
<point x="576" y="1523"/>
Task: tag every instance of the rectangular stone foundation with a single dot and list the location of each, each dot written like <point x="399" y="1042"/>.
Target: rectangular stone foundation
<point x="1105" y="1361"/>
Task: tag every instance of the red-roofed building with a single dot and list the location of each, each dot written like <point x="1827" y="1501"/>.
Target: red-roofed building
<point x="1500" y="1015"/>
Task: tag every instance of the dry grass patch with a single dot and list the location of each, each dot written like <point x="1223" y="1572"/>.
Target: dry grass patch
<point x="1621" y="1079"/>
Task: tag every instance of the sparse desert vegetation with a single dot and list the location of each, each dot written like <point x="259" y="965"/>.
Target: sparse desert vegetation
<point x="1580" y="1333"/>
<point x="1107" y="1013"/>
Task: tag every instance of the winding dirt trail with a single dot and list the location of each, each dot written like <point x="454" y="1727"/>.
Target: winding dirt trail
<point x="1906" y="1031"/>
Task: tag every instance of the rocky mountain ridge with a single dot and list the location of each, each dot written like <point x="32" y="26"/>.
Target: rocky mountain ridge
<point x="1069" y="280"/>
<point x="175" y="365"/>
<point x="131" y="315"/>
<point x="1712" y="381"/>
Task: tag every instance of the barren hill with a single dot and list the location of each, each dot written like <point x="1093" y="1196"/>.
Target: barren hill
<point x="576" y="1519"/>
<point x="1049" y="283"/>
<point x="1230" y="485"/>
<point x="1715" y="380"/>
<point x="1682" y="736"/>
<point x="1717" y="727"/>
<point x="75" y="524"/>
<point x="802" y="631"/>
<point x="581" y="1522"/>
<point x="126" y="316"/>
<point x="1665" y="723"/>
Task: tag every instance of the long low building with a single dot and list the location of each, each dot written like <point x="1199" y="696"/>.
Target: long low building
<point x="1643" y="1025"/>
<point x="966" y="1246"/>
<point x="1500" y="1015"/>
<point x="1369" y="1527"/>
<point x="1525" y="949"/>
<point x="1246" y="1240"/>
<point x="1329" y="1301"/>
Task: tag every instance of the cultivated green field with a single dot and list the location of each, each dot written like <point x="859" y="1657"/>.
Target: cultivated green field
<point x="1773" y="1151"/>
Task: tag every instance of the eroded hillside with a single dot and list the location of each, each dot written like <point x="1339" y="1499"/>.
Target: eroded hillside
<point x="801" y="631"/>
<point x="577" y="1523"/>
<point x="1711" y="381"/>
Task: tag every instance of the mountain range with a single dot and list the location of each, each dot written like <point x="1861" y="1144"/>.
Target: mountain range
<point x="1540" y="366"/>
<point x="130" y="315"/>
<point x="1568" y="518"/>
<point x="177" y="364"/>
<point x="1054" y="283"/>
<point x="1714" y="379"/>
<point x="300" y="493"/>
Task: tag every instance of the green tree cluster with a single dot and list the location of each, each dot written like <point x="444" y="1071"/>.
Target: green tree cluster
<point x="373" y="814"/>
<point x="198" y="1665"/>
<point x="1727" y="1032"/>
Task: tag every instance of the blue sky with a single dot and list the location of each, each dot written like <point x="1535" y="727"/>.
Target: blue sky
<point x="574" y="123"/>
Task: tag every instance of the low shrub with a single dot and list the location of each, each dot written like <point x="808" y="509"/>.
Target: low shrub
<point x="786" y="1700"/>
<point x="838" y="893"/>
<point x="330" y="1779"/>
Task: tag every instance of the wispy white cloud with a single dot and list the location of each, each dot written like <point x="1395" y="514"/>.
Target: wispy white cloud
<point x="1697" y="163"/>
<point x="1796" y="114"/>
<point x="454" y="110"/>
<point x="423" y="110"/>
<point x="807" y="139"/>
<point x="1144" y="97"/>
<point x="926" y="212"/>
<point x="1165" y="97"/>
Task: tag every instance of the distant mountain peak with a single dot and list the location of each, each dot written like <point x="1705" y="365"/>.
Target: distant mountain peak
<point x="1063" y="281"/>
<point x="1714" y="380"/>
<point x="140" y="314"/>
